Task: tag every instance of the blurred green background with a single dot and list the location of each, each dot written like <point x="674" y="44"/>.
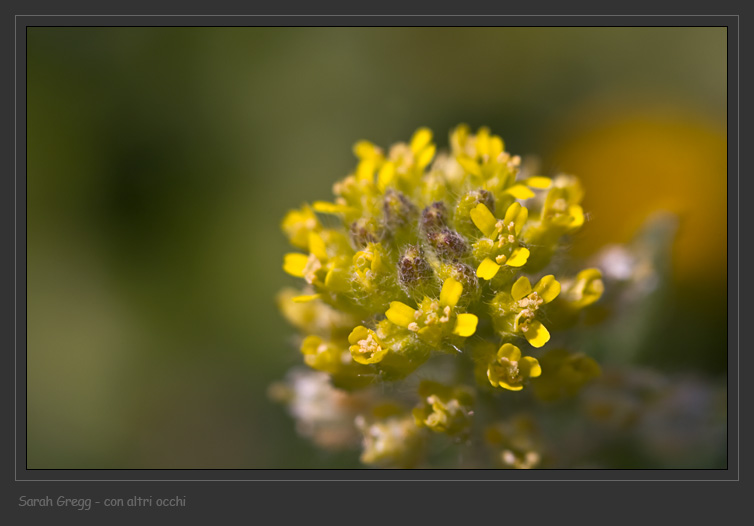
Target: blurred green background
<point x="161" y="161"/>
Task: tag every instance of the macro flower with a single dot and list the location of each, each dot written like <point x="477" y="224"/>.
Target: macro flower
<point x="419" y="266"/>
<point x="516" y="312"/>
<point x="510" y="370"/>
<point x="297" y="225"/>
<point x="500" y="244"/>
<point x="366" y="347"/>
<point x="319" y="268"/>
<point x="444" y="409"/>
<point x="584" y="290"/>
<point x="435" y="319"/>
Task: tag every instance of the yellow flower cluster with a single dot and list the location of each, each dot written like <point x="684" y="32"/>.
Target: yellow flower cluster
<point x="426" y="254"/>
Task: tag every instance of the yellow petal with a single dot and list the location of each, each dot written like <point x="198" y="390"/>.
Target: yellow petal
<point x="589" y="274"/>
<point x="425" y="156"/>
<point x="420" y="139"/>
<point x="594" y="290"/>
<point x="521" y="288"/>
<point x="459" y="136"/>
<point x="547" y="288"/>
<point x="366" y="360"/>
<point x="358" y="333"/>
<point x="530" y="367"/>
<point x="310" y="344"/>
<point x="465" y="325"/>
<point x="518" y="257"/>
<point x="496" y="146"/>
<point x="317" y="246"/>
<point x="591" y="286"/>
<point x="537" y="335"/>
<point x="512" y="213"/>
<point x="305" y="299"/>
<point x="385" y="176"/>
<point x="587" y="289"/>
<point x="577" y="216"/>
<point x="509" y="351"/>
<point x="297" y="224"/>
<point x="451" y="292"/>
<point x="487" y="269"/>
<point x="470" y="165"/>
<point x="520" y="191"/>
<point x="483" y="219"/>
<point x="538" y="182"/>
<point x="295" y="263"/>
<point x="324" y="207"/>
<point x="483" y="141"/>
<point x="365" y="170"/>
<point x="337" y="280"/>
<point x="494" y="380"/>
<point x="553" y="195"/>
<point x="366" y="150"/>
<point x="400" y="314"/>
<point x="517" y="215"/>
<point x="506" y="385"/>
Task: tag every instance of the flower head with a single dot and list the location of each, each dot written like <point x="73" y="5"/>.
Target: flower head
<point x="426" y="254"/>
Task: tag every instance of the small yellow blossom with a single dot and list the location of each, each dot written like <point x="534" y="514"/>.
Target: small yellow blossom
<point x="504" y="248"/>
<point x="516" y="312"/>
<point x="297" y="225"/>
<point x="483" y="156"/>
<point x="444" y="409"/>
<point x="366" y="347"/>
<point x="510" y="370"/>
<point x="435" y="319"/>
<point x="586" y="289"/>
<point x="321" y="355"/>
<point x="319" y="268"/>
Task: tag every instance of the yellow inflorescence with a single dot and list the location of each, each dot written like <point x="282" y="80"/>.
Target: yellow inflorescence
<point x="425" y="254"/>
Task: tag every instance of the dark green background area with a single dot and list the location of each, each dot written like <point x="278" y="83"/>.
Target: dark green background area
<point x="161" y="161"/>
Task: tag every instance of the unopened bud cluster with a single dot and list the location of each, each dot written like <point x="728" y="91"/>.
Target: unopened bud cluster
<point x="422" y="254"/>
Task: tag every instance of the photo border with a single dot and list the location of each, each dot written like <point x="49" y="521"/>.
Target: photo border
<point x="41" y="478"/>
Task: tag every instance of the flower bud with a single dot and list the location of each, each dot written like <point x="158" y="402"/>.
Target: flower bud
<point x="415" y="274"/>
<point x="434" y="217"/>
<point x="363" y="231"/>
<point x="399" y="211"/>
<point x="448" y="244"/>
